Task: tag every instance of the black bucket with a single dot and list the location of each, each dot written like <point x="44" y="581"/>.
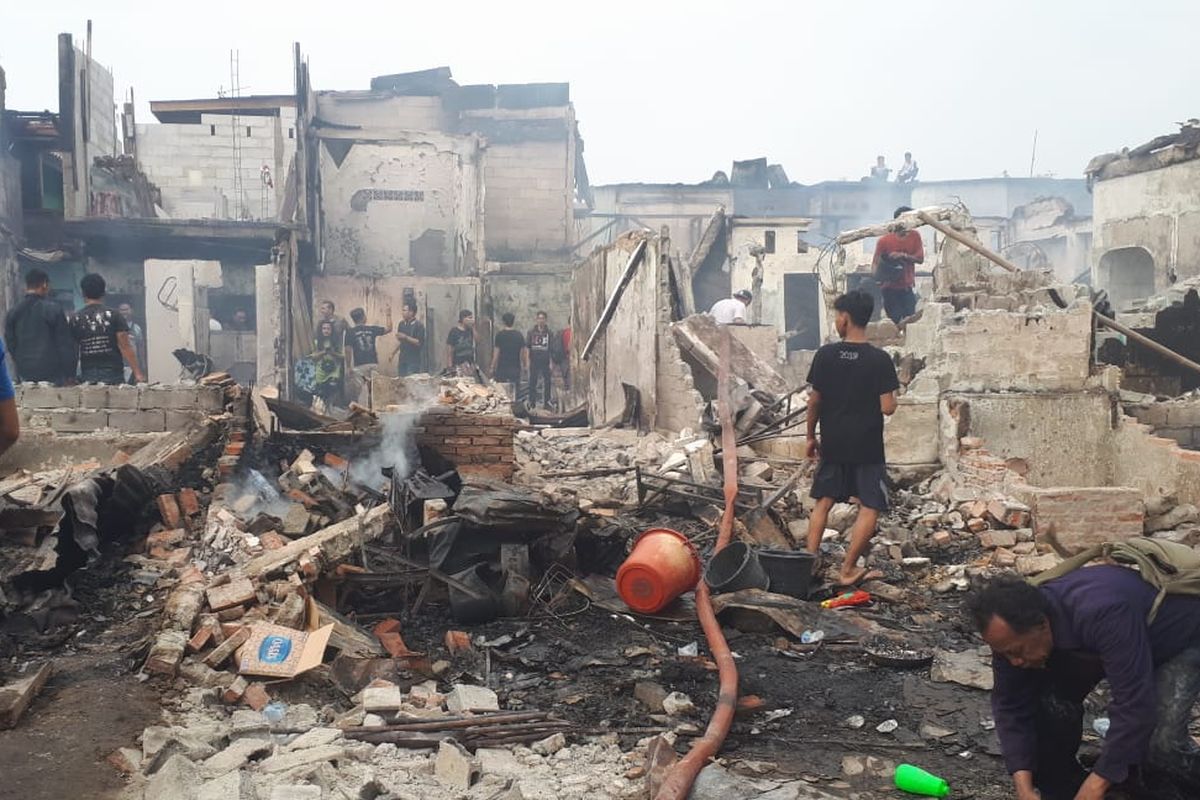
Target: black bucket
<point x="790" y="571"/>
<point x="735" y="567"/>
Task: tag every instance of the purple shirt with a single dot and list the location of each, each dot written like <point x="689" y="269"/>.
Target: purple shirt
<point x="1098" y="614"/>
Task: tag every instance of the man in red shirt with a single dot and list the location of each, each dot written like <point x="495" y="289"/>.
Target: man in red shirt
<point x="894" y="266"/>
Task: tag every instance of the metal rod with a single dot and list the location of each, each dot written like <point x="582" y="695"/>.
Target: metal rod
<point x="946" y="230"/>
<point x="1146" y="341"/>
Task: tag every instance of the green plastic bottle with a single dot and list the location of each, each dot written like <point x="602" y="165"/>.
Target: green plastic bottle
<point x="917" y="781"/>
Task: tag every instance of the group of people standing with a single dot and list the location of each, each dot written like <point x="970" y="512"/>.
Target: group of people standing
<point x="343" y="356"/>
<point x="96" y="344"/>
<point x="535" y="353"/>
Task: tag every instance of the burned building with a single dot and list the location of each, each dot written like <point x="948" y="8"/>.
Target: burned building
<point x="1147" y="216"/>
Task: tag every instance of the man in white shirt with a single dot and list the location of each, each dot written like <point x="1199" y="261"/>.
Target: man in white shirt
<point x="731" y="310"/>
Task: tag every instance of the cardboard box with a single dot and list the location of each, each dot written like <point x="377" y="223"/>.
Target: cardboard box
<point x="278" y="652"/>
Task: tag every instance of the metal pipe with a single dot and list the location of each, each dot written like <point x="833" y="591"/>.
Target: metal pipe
<point x="946" y="230"/>
<point x="679" y="780"/>
<point x="1146" y="341"/>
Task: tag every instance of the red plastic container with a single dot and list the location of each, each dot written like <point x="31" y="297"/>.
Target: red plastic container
<point x="663" y="565"/>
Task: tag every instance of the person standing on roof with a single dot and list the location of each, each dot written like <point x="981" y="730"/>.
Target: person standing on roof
<point x="1052" y="644"/>
<point x="731" y="310"/>
<point x="103" y="338"/>
<point x="894" y="266"/>
<point x="38" y="335"/>
<point x="853" y="387"/>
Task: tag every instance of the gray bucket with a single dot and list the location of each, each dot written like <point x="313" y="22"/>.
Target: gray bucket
<point x="790" y="571"/>
<point x="735" y="567"/>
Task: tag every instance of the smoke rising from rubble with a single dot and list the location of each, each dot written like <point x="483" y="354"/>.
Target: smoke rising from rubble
<point x="394" y="451"/>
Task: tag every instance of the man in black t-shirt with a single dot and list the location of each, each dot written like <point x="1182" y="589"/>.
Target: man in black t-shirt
<point x="360" y="340"/>
<point x="539" y="342"/>
<point x="411" y="334"/>
<point x="508" y="353"/>
<point x="853" y="386"/>
<point x="460" y="345"/>
<point x="103" y="338"/>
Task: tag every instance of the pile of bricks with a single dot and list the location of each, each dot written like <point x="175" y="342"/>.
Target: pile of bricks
<point x="131" y="409"/>
<point x="477" y="444"/>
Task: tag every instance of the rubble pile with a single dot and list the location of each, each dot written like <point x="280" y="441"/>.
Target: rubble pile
<point x="597" y="467"/>
<point x="295" y="752"/>
<point x="472" y="397"/>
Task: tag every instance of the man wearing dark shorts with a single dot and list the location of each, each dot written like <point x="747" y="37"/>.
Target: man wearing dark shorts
<point x="853" y="386"/>
<point x="894" y="265"/>
<point x="508" y="353"/>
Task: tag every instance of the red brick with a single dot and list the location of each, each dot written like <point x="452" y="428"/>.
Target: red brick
<point x="491" y="440"/>
<point x="168" y="509"/>
<point x="189" y="502"/>
<point x="256" y="696"/>
<point x="394" y="644"/>
<point x="238" y="591"/>
<point x="200" y="640"/>
<point x="386" y="626"/>
<point x="336" y="461"/>
<point x="235" y="690"/>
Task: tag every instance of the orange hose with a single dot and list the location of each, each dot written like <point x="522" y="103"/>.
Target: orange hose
<point x="678" y="782"/>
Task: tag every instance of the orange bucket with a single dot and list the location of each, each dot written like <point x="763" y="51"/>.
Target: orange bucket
<point x="663" y="565"/>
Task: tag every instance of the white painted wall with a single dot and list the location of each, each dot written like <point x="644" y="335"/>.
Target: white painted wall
<point x="176" y="312"/>
<point x="417" y="182"/>
<point x="1158" y="210"/>
<point x="743" y="237"/>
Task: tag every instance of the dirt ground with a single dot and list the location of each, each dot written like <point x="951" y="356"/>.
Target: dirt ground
<point x="585" y="667"/>
<point x="92" y="704"/>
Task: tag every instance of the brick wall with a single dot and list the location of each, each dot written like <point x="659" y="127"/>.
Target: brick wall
<point x="1178" y="420"/>
<point x="527" y="204"/>
<point x="1084" y="516"/>
<point x="477" y="444"/>
<point x="132" y="409"/>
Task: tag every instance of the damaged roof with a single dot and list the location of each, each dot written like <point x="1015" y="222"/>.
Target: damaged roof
<point x="1159" y="152"/>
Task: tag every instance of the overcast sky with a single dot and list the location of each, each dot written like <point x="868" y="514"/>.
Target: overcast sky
<point x="672" y="91"/>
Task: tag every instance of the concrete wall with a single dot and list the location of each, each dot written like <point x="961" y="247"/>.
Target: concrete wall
<point x="176" y="312"/>
<point x="1064" y="437"/>
<point x="684" y="210"/>
<point x="1158" y="210"/>
<point x="402" y="206"/>
<point x="910" y="436"/>
<point x="382" y="110"/>
<point x="133" y="409"/>
<point x="1002" y="350"/>
<point x="526" y="294"/>
<point x="94" y="115"/>
<point x="1155" y="465"/>
<point x="746" y="236"/>
<point x="438" y="302"/>
<point x="194" y="164"/>
<point x="638" y="327"/>
<point x="529" y="204"/>
<point x="1178" y="420"/>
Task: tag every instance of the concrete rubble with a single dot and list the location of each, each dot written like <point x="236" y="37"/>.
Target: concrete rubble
<point x="410" y="591"/>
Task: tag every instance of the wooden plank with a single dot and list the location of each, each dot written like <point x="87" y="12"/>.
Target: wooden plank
<point x="635" y="258"/>
<point x="16" y="696"/>
<point x="699" y="336"/>
<point x="334" y="543"/>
